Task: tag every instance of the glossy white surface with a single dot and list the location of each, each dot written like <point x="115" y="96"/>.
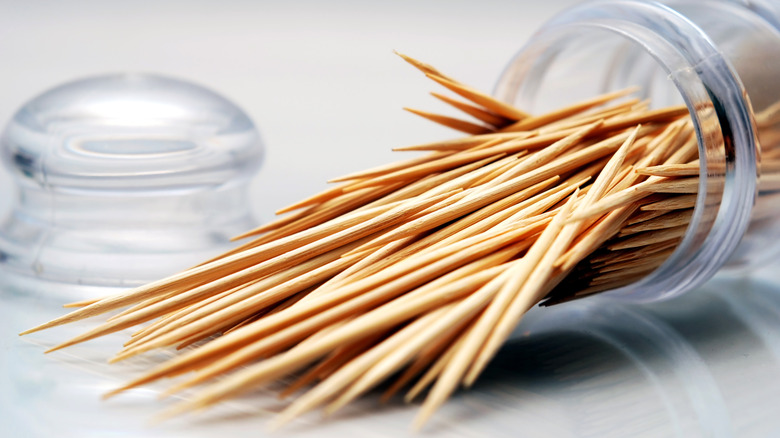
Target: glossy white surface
<point x="704" y="365"/>
<point x="321" y="83"/>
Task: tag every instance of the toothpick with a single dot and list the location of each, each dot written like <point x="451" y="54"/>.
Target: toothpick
<point x="678" y="202"/>
<point x="626" y="266"/>
<point x="344" y="376"/>
<point x="529" y="268"/>
<point x="459" y="144"/>
<point x="249" y="300"/>
<point x="768" y="116"/>
<point x="669" y="220"/>
<point x="423" y="67"/>
<point x="671" y="170"/>
<point x="451" y="122"/>
<point x="281" y="261"/>
<point x="476" y="112"/>
<point x="629" y="254"/>
<point x="423" y="267"/>
<point x="538" y="121"/>
<point x="650" y="237"/>
<point x="487" y="101"/>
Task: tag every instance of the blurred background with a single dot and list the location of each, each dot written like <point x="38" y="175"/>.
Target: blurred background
<point x="319" y="79"/>
<point x="325" y="90"/>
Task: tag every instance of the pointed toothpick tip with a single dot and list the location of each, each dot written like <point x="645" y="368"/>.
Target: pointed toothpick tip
<point x="44" y="326"/>
<point x="117" y="358"/>
<point x="277" y="423"/>
<point x="114" y="392"/>
<point x="420" y="420"/>
<point x="175" y="389"/>
<point x="405" y="57"/>
<point x="174" y="411"/>
<point x="60" y="347"/>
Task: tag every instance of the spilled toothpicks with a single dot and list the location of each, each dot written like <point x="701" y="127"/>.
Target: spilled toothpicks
<point x="419" y="270"/>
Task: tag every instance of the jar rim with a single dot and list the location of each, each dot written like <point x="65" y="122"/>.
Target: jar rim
<point x="701" y="74"/>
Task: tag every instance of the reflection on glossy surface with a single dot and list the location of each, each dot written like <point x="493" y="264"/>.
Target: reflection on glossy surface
<point x="705" y="364"/>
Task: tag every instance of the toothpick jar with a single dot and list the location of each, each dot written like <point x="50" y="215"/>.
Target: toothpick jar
<point x="720" y="58"/>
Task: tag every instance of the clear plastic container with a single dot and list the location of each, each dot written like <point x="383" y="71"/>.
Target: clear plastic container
<point x="721" y="58"/>
<point x="123" y="179"/>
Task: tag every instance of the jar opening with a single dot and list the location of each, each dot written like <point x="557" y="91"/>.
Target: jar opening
<point x="605" y="46"/>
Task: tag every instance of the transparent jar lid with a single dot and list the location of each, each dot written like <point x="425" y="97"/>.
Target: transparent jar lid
<point x="123" y="179"/>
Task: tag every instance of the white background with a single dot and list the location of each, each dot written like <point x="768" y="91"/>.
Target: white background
<point x="318" y="78"/>
<point x="322" y="84"/>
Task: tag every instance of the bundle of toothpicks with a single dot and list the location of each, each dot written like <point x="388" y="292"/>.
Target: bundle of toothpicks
<point x="413" y="275"/>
